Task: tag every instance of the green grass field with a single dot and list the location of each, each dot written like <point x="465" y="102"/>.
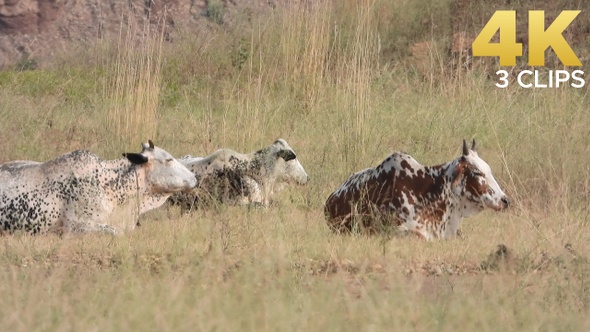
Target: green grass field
<point x="338" y="82"/>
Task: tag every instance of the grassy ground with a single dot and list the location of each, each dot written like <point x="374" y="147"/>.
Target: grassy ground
<point x="332" y="83"/>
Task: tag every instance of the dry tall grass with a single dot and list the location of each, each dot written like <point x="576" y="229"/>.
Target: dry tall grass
<point x="327" y="78"/>
<point x="132" y="86"/>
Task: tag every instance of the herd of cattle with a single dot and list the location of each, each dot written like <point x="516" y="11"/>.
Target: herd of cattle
<point x="79" y="192"/>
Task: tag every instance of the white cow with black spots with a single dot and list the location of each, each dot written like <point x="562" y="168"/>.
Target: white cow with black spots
<point x="227" y="176"/>
<point x="79" y="192"/>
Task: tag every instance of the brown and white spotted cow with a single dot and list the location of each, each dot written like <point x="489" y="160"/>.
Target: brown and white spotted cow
<point x="427" y="200"/>
<point x="79" y="192"/>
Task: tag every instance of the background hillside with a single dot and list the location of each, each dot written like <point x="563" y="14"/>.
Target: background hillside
<point x="44" y="30"/>
<point x="346" y="83"/>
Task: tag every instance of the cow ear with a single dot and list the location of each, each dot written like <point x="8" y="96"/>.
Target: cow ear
<point x="286" y="154"/>
<point x="136" y="158"/>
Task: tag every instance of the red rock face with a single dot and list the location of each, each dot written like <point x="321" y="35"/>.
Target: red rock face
<point x="27" y="16"/>
<point x="48" y="12"/>
<point x="18" y="16"/>
<point x="42" y="29"/>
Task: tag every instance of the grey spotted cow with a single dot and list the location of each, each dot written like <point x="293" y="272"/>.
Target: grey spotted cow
<point x="230" y="177"/>
<point x="426" y="200"/>
<point x="79" y="192"/>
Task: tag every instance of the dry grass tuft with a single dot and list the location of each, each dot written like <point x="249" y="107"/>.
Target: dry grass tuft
<point x="133" y="83"/>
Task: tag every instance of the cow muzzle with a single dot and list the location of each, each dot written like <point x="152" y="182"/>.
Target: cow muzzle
<point x="303" y="180"/>
<point x="193" y="183"/>
<point x="506" y="202"/>
<point x="502" y="204"/>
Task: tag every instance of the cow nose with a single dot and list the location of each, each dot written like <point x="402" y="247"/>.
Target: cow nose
<point x="506" y="201"/>
<point x="303" y="180"/>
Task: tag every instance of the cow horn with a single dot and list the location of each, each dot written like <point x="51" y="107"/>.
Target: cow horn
<point x="151" y="143"/>
<point x="465" y="148"/>
<point x="473" y="145"/>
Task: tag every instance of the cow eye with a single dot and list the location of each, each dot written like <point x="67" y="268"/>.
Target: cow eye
<point x="477" y="173"/>
<point x="169" y="160"/>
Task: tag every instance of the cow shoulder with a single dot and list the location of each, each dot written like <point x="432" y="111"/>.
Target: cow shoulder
<point x="396" y="163"/>
<point x="74" y="162"/>
<point x="400" y="162"/>
<point x="220" y="160"/>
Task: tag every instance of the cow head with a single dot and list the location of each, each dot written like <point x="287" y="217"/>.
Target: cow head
<point x="163" y="173"/>
<point x="474" y="183"/>
<point x="288" y="167"/>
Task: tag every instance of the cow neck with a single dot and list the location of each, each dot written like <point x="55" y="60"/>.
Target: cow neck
<point x="127" y="179"/>
<point x="449" y="170"/>
<point x="147" y="198"/>
<point x="255" y="164"/>
<point x="445" y="171"/>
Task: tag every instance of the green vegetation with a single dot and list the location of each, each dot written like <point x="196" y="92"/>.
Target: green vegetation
<point x="215" y="9"/>
<point x="340" y="82"/>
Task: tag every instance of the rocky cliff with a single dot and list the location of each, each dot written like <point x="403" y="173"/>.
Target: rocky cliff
<point x="41" y="28"/>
